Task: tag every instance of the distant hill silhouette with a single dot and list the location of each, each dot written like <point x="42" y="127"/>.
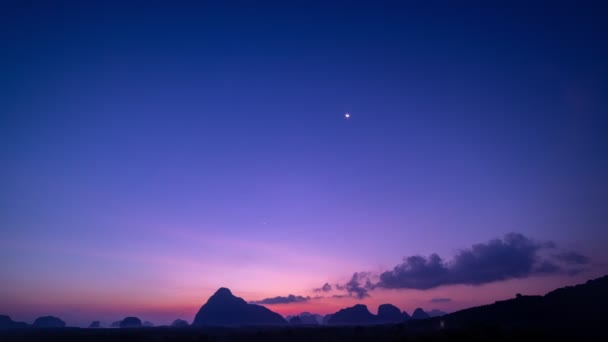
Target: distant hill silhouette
<point x="179" y="323"/>
<point x="148" y="324"/>
<point x="225" y="309"/>
<point x="311" y="319"/>
<point x="48" y="322"/>
<point x="307" y="318"/>
<point x="360" y="315"/>
<point x="419" y="314"/>
<point x="115" y="324"/>
<point x="7" y="323"/>
<point x="581" y="307"/>
<point x="436" y="313"/>
<point x="130" y="322"/>
<point x="388" y="313"/>
<point x="295" y="320"/>
<point x="95" y="324"/>
<point x="354" y="315"/>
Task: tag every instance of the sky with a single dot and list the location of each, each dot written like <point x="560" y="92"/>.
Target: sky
<point x="152" y="152"/>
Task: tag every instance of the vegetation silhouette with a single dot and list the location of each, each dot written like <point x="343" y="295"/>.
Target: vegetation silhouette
<point x="131" y="322"/>
<point x="95" y="325"/>
<point x="180" y="323"/>
<point x="48" y="322"/>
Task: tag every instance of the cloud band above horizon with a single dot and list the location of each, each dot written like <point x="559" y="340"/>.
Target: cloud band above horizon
<point x="513" y="256"/>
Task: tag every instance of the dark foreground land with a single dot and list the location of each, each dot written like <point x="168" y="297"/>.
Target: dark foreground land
<point x="358" y="333"/>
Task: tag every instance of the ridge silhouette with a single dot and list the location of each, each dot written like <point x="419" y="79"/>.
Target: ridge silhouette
<point x="580" y="307"/>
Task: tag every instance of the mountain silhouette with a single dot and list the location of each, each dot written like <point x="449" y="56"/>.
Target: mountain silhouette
<point x="130" y="322"/>
<point x="419" y="314"/>
<point x="354" y="315"/>
<point x="179" y="323"/>
<point x="48" y="322"/>
<point x="95" y="324"/>
<point x="225" y="309"/>
<point x="583" y="308"/>
<point x="388" y="313"/>
<point x="7" y="323"/>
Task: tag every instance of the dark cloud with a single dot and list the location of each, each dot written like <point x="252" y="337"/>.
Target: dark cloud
<point x="282" y="300"/>
<point x="548" y="267"/>
<point x="514" y="256"/>
<point x="416" y="272"/>
<point x="325" y="288"/>
<point x="574" y="271"/>
<point x="572" y="258"/>
<point x="440" y="300"/>
<point x="338" y="296"/>
<point x="359" y="285"/>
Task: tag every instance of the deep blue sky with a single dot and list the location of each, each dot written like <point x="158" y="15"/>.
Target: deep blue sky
<point x="155" y="140"/>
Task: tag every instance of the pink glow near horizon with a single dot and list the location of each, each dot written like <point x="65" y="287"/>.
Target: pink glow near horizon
<point x="79" y="310"/>
<point x="176" y="285"/>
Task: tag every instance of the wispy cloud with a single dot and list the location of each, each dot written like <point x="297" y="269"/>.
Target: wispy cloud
<point x="282" y="300"/>
<point x="572" y="258"/>
<point x="440" y="300"/>
<point x="359" y="285"/>
<point x="325" y="288"/>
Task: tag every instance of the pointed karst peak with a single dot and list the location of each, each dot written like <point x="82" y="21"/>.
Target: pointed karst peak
<point x="223" y="296"/>
<point x="223" y="292"/>
<point x="225" y="309"/>
<point x="419" y="314"/>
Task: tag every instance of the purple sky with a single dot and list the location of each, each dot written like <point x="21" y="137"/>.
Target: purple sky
<point x="151" y="154"/>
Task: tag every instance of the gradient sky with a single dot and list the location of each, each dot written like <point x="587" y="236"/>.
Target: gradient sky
<point x="151" y="153"/>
